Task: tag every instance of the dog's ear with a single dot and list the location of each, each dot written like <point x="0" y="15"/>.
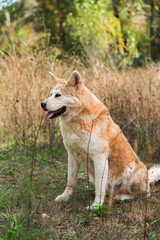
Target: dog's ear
<point x="75" y="80"/>
<point x="54" y="78"/>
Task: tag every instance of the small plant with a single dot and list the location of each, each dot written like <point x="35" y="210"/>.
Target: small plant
<point x="88" y="187"/>
<point x="119" y="210"/>
<point x="10" y="171"/>
<point x="14" y="229"/>
<point x="2" y="201"/>
<point x="86" y="220"/>
<point x="152" y="237"/>
<point x="66" y="174"/>
<point x="99" y="211"/>
<point x="3" y="156"/>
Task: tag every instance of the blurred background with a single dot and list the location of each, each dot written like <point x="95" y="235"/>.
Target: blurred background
<point x="126" y="30"/>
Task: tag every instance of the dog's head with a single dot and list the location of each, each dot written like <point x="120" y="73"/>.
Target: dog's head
<point x="64" y="96"/>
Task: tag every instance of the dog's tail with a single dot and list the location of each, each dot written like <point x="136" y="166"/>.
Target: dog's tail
<point x="154" y="178"/>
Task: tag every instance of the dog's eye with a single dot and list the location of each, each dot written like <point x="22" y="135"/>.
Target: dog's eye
<point x="57" y="95"/>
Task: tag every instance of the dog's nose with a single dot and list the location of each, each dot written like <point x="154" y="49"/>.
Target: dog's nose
<point x="43" y="105"/>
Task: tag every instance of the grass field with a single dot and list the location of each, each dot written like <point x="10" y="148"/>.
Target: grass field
<point x="28" y="210"/>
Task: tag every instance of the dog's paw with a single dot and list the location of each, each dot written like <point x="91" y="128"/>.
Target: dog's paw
<point x="62" y="197"/>
<point x="122" y="197"/>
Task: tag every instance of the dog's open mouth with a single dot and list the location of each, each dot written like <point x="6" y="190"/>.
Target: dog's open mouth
<point x="54" y="114"/>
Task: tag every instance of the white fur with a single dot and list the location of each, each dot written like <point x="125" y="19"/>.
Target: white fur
<point x="154" y="174"/>
<point x="53" y="103"/>
<point x="76" y="144"/>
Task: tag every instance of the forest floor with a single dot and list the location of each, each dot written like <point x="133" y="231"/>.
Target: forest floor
<point x="28" y="211"/>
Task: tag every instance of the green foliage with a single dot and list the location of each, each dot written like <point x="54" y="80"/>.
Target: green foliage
<point x="14" y="230"/>
<point x="2" y="202"/>
<point x="44" y="156"/>
<point x="94" y="30"/>
<point x="152" y="237"/>
<point x="66" y="174"/>
<point x="117" y="31"/>
<point x="86" y="219"/>
<point x="99" y="211"/>
<point x="11" y="13"/>
<point x="52" y="15"/>
<point x="10" y="171"/>
<point x="3" y="156"/>
<point x="119" y="210"/>
<point x="20" y="39"/>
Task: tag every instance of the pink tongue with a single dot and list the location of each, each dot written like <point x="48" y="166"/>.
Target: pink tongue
<point x="48" y="116"/>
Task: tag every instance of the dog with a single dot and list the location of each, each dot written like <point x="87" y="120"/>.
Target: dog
<point x="93" y="140"/>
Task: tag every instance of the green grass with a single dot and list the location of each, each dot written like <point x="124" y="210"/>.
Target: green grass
<point x="28" y="211"/>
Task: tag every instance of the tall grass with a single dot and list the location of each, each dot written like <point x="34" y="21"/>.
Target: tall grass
<point x="132" y="97"/>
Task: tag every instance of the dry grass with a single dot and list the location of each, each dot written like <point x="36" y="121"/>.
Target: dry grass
<point x="132" y="97"/>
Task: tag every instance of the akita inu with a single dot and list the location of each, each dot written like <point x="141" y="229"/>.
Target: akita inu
<point x="94" y="141"/>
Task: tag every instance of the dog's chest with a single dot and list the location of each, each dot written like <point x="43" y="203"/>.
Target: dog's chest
<point x="75" y="141"/>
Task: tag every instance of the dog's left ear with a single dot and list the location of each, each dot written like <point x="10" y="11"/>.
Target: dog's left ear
<point x="75" y="80"/>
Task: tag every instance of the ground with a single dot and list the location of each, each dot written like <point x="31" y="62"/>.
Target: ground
<point x="28" y="211"/>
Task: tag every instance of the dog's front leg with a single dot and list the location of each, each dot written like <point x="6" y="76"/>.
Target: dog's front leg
<point x="101" y="179"/>
<point x="73" y="168"/>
